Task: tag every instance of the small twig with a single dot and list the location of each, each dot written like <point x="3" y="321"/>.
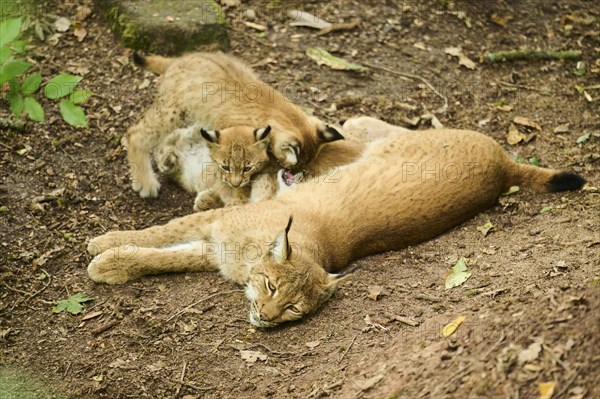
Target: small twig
<point x="342" y="26"/>
<point x="567" y="385"/>
<point x="6" y="146"/>
<point x="271" y="350"/>
<point x="181" y="378"/>
<point x="35" y="293"/>
<point x="412" y="76"/>
<point x="519" y="55"/>
<point x="347" y="349"/>
<point x="200" y="301"/>
<point x="252" y="37"/>
<point x="105" y="327"/>
<point x="515" y="86"/>
<point x="429" y="298"/>
<point x="191" y="386"/>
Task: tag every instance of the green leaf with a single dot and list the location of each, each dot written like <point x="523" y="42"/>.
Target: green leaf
<point x="32" y="83"/>
<point x="14" y="86"/>
<point x="13" y="69"/>
<point x="72" y="305"/>
<point x="485" y="229"/>
<point x="512" y="190"/>
<point x="79" y="96"/>
<point x="16" y="103"/>
<point x="534" y="161"/>
<point x="72" y="114"/>
<point x="61" y="86"/>
<point x="18" y="46"/>
<point x="323" y="57"/>
<point x="9" y="30"/>
<point x="459" y="274"/>
<point x="5" y="54"/>
<point x="34" y="109"/>
<point x="546" y="209"/>
<point x="583" y="138"/>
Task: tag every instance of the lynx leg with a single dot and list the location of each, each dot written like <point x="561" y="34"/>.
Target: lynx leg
<point x="117" y="266"/>
<point x="207" y="199"/>
<point x="141" y="139"/>
<point x="185" y="229"/>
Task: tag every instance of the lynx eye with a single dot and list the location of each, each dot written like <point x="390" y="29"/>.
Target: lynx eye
<point x="270" y="287"/>
<point x="248" y="168"/>
<point x="224" y="167"/>
<point x="293" y="309"/>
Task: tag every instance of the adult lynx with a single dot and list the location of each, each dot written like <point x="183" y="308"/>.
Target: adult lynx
<point x="405" y="189"/>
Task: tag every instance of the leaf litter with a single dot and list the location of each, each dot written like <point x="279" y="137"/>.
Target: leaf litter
<point x="459" y="274"/>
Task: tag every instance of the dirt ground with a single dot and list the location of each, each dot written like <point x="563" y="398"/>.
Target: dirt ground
<point x="532" y="302"/>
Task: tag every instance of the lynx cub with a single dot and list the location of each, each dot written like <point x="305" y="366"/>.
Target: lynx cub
<point x="221" y="93"/>
<point x="223" y="168"/>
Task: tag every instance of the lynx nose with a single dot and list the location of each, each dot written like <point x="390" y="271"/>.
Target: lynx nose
<point x="236" y="180"/>
<point x="264" y="317"/>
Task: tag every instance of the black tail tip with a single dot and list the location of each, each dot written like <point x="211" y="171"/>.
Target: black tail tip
<point x="139" y="59"/>
<point x="565" y="181"/>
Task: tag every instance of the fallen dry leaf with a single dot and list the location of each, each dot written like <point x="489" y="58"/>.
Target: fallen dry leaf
<point x="546" y="389"/>
<point x="62" y="24"/>
<point x="451" y="327"/>
<point x="253" y="356"/>
<point x="501" y="21"/>
<point x="375" y="291"/>
<point x="91" y="315"/>
<point x="513" y="136"/>
<point x="462" y="59"/>
<point x="303" y="18"/>
<point x="313" y="344"/>
<point x="530" y="354"/>
<point x="519" y="120"/>
<point x="80" y="34"/>
<point x="564" y="128"/>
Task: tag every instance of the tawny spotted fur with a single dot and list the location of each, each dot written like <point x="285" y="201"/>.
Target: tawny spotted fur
<point x="405" y="189"/>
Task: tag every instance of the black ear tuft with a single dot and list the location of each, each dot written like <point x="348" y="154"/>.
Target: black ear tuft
<point x="212" y="136"/>
<point x="565" y="181"/>
<point x="289" y="225"/>
<point x="262" y="133"/>
<point x="139" y="59"/>
<point x="329" y="134"/>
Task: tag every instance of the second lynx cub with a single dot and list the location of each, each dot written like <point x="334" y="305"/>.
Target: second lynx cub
<point x="223" y="169"/>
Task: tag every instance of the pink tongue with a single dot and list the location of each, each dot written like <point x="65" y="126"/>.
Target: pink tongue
<point x="288" y="177"/>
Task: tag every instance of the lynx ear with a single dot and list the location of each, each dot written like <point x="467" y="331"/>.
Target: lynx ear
<point x="292" y="151"/>
<point x="212" y="136"/>
<point x="280" y="249"/>
<point x="329" y="134"/>
<point x="262" y="134"/>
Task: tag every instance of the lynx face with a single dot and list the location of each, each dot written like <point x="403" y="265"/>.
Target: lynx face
<point x="281" y="288"/>
<point x="238" y="152"/>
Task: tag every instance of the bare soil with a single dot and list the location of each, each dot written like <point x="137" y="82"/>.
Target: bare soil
<point x="535" y="276"/>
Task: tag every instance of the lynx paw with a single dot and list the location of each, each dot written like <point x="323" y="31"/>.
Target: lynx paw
<point x="104" y="268"/>
<point x="147" y="189"/>
<point x="102" y="243"/>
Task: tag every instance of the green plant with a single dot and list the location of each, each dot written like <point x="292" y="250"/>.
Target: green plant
<point x="20" y="91"/>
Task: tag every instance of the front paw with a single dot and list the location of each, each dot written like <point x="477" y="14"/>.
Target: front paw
<point x="148" y="188"/>
<point x="101" y="243"/>
<point x="105" y="268"/>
